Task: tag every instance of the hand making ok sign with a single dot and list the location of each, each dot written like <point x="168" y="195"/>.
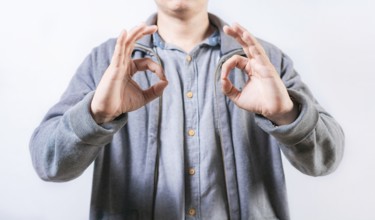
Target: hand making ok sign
<point x="117" y="92"/>
<point x="264" y="92"/>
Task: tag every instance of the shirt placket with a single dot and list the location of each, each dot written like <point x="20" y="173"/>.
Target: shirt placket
<point x="192" y="140"/>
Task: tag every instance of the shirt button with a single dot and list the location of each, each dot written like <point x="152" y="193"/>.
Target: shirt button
<point x="189" y="95"/>
<point x="191" y="132"/>
<point x="192" y="212"/>
<point x="191" y="171"/>
<point x="188" y="58"/>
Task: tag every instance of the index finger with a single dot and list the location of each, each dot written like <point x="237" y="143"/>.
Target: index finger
<point x="143" y="64"/>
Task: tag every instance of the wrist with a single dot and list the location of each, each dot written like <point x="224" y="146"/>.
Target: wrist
<point x="288" y="116"/>
<point x="100" y="117"/>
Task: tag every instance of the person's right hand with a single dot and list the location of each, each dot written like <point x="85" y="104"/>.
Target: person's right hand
<point x="117" y="92"/>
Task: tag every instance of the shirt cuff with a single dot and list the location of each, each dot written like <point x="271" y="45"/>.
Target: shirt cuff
<point x="298" y="130"/>
<point x="86" y="128"/>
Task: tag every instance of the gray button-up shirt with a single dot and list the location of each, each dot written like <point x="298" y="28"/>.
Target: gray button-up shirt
<point x="190" y="153"/>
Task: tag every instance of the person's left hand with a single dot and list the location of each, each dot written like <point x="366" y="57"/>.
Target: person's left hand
<point x="264" y="92"/>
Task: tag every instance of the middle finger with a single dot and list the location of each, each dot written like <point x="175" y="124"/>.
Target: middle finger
<point x="137" y="33"/>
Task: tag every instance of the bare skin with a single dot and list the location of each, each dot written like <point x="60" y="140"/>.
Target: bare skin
<point x="117" y="92"/>
<point x="264" y="93"/>
<point x="185" y="23"/>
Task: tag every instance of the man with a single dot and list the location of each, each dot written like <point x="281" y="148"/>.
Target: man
<point x="185" y="117"/>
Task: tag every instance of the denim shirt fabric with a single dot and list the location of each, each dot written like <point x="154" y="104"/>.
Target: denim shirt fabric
<point x="190" y="153"/>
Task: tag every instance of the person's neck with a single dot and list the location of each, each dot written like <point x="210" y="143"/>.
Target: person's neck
<point x="185" y="33"/>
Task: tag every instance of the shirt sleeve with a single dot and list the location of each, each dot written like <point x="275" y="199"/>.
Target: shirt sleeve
<point x="68" y="139"/>
<point x="314" y="142"/>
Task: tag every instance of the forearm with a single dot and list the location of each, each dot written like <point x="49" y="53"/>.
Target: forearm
<point x="313" y="143"/>
<point x="62" y="147"/>
<point x="321" y="151"/>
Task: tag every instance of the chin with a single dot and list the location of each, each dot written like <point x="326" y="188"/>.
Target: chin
<point x="181" y="8"/>
<point x="177" y="6"/>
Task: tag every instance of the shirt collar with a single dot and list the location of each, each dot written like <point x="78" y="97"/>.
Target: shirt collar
<point x="227" y="43"/>
<point x="213" y="40"/>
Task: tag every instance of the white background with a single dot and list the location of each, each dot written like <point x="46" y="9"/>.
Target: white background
<point x="331" y="42"/>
